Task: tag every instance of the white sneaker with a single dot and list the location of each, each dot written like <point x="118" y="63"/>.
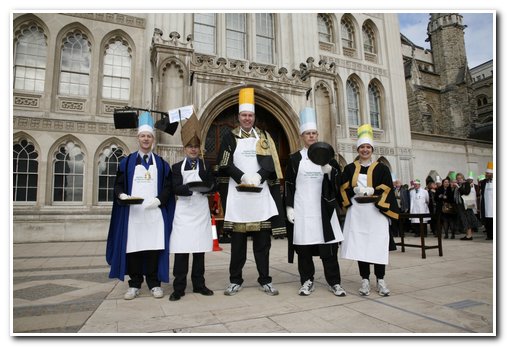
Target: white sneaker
<point x="337" y="290"/>
<point x="269" y="289"/>
<point x="157" y="292"/>
<point x="382" y="288"/>
<point x="131" y="293"/>
<point x="365" y="287"/>
<point x="307" y="288"/>
<point x="232" y="289"/>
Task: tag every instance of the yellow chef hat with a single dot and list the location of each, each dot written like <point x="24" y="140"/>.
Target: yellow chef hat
<point x="246" y="100"/>
<point x="489" y="169"/>
<point x="364" y="135"/>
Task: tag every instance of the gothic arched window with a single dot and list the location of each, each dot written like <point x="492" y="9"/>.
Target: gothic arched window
<point x="75" y="65"/>
<point x="25" y="171"/>
<point x="117" y="70"/>
<point x="348" y="32"/>
<point x="264" y="37"/>
<point x="325" y="28"/>
<point x="353" y="102"/>
<point x="205" y="33"/>
<point x="68" y="173"/>
<point x="30" y="59"/>
<point x="369" y="42"/>
<point x="107" y="167"/>
<point x="374" y="103"/>
<point x="236" y="35"/>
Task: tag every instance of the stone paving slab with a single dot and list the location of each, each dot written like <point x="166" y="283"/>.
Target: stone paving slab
<point x="63" y="287"/>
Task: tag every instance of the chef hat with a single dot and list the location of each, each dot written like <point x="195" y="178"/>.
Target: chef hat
<point x="417" y="181"/>
<point x="393" y="176"/>
<point x="190" y="131"/>
<point x="145" y="123"/>
<point x="480" y="178"/>
<point x="438" y="180"/>
<point x="471" y="175"/>
<point x="490" y="167"/>
<point x="246" y="100"/>
<point x="364" y="135"/>
<point x="452" y="175"/>
<point x="307" y="120"/>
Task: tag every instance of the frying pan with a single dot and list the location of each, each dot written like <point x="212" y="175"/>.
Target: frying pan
<point x="321" y="153"/>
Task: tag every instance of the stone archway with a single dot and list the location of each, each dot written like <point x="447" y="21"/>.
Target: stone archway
<point x="273" y="114"/>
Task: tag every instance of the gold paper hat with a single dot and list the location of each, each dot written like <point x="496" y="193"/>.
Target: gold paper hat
<point x="489" y="169"/>
<point x="190" y="131"/>
<point x="364" y="135"/>
<point x="246" y="100"/>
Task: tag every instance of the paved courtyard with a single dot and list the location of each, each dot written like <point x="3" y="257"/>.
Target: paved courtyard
<point x="63" y="287"/>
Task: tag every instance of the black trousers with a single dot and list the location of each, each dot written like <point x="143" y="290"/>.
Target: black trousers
<point x="261" y="247"/>
<point x="378" y="269"/>
<point x="143" y="262"/>
<point x="488" y="225"/>
<point x="306" y="266"/>
<point x="180" y="271"/>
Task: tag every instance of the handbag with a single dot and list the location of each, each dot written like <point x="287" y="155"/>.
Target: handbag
<point x="469" y="201"/>
<point x="448" y="208"/>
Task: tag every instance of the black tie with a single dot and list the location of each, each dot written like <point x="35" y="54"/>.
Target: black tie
<point x="193" y="164"/>
<point x="244" y="134"/>
<point x="145" y="161"/>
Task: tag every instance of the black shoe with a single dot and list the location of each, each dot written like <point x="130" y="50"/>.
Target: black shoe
<point x="175" y="296"/>
<point x="467" y="238"/>
<point x="204" y="291"/>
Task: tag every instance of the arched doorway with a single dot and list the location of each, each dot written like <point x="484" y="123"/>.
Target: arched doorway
<point x="228" y="119"/>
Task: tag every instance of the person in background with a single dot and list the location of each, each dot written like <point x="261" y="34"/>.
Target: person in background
<point x="487" y="201"/>
<point x="444" y="198"/>
<point x="419" y="203"/>
<point x="191" y="232"/>
<point x="138" y="238"/>
<point x="366" y="230"/>
<point x="475" y="193"/>
<point x="465" y="201"/>
<point x="311" y="199"/>
<point x="431" y="188"/>
<point x="248" y="157"/>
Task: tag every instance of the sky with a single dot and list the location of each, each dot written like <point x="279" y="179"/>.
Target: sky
<point x="478" y="33"/>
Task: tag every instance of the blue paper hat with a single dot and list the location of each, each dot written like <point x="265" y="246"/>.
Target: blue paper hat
<point x="307" y="120"/>
<point x="145" y="123"/>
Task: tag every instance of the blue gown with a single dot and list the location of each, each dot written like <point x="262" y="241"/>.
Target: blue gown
<point x="116" y="246"/>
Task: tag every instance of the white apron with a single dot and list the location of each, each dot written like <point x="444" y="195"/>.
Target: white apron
<point x="247" y="207"/>
<point x="419" y="204"/>
<point x="146" y="226"/>
<point x="308" y="228"/>
<point x="488" y="200"/>
<point x="366" y="232"/>
<point x="192" y="222"/>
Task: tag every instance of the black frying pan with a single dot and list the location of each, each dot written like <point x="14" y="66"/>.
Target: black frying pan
<point x="321" y="153"/>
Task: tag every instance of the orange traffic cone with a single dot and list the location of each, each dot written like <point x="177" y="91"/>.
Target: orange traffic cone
<point x="216" y="247"/>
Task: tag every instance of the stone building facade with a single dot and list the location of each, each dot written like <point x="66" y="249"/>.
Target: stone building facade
<point x="72" y="70"/>
<point x="442" y="101"/>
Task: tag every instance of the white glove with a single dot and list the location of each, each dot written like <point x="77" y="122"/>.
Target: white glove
<point x="123" y="196"/>
<point x="369" y="191"/>
<point x="326" y="169"/>
<point x="251" y="178"/>
<point x="153" y="204"/>
<point x="357" y="190"/>
<point x="256" y="179"/>
<point x="290" y="214"/>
